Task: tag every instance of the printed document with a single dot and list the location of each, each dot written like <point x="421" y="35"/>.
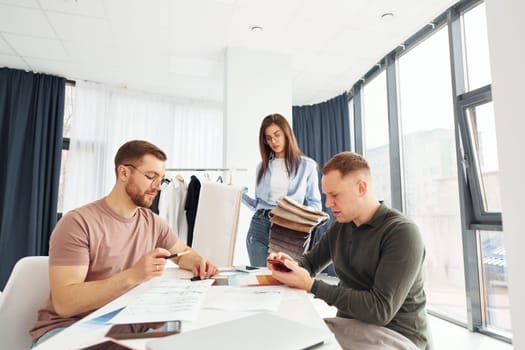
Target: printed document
<point x="245" y="298"/>
<point x="167" y="300"/>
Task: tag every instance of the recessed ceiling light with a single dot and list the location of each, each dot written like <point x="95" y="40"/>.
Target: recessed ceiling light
<point x="387" y="16"/>
<point x="256" y="29"/>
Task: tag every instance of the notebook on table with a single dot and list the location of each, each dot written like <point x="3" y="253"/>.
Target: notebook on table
<point x="256" y="332"/>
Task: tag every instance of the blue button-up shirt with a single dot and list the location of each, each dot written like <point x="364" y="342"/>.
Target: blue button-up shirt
<point x="303" y="187"/>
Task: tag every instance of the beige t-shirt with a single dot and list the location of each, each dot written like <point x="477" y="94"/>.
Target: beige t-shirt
<point x="95" y="235"/>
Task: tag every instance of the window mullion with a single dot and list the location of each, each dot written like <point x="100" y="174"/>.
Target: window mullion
<point x="470" y="245"/>
<point x="396" y="183"/>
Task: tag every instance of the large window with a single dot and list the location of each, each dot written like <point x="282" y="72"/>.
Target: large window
<point x="376" y="140"/>
<point x="433" y="152"/>
<point x="478" y="134"/>
<point x="430" y="171"/>
<point x="188" y="131"/>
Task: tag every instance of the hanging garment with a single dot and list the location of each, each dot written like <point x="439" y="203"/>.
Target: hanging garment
<point x="155" y="205"/>
<point x="192" y="202"/>
<point x="171" y="208"/>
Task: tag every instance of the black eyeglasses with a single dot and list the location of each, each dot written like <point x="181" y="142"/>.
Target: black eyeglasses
<point x="155" y="180"/>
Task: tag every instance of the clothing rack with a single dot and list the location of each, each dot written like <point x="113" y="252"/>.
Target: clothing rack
<point x="206" y="169"/>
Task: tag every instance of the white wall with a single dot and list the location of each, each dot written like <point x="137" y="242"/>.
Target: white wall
<point x="257" y="83"/>
<point x="506" y="32"/>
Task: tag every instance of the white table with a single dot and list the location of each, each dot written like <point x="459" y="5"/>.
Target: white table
<point x="296" y="305"/>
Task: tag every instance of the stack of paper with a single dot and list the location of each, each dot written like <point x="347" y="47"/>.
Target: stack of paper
<point x="166" y="300"/>
<point x="245" y="299"/>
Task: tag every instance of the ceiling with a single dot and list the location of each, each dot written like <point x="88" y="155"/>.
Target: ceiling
<point x="176" y="47"/>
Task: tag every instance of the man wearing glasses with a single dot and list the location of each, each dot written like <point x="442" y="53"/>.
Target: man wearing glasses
<point x="103" y="249"/>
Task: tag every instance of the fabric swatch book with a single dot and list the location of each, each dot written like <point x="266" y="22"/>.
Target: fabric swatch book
<point x="292" y="226"/>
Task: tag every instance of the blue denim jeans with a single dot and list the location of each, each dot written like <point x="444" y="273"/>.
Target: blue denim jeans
<point x="257" y="238"/>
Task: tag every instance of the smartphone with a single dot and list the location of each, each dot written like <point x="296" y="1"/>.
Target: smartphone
<point x="279" y="265"/>
<point x="246" y="268"/>
<point x="144" y="330"/>
<point x="106" y="345"/>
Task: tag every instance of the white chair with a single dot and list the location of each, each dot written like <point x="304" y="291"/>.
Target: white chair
<point x="25" y="292"/>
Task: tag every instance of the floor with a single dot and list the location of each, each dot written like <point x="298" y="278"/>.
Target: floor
<point x="448" y="336"/>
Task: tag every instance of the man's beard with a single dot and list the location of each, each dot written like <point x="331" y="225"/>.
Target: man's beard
<point x="138" y="198"/>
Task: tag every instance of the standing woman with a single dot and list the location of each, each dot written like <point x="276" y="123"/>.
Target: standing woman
<point x="283" y="171"/>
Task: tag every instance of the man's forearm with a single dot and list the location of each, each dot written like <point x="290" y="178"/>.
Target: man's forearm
<point x="78" y="298"/>
<point x="187" y="262"/>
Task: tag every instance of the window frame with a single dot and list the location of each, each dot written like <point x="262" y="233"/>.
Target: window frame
<point x="481" y="219"/>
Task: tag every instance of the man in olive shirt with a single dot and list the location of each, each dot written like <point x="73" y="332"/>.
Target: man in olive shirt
<point x="377" y="254"/>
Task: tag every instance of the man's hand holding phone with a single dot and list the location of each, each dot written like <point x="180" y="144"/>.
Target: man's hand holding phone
<point x="287" y="271"/>
<point x="276" y="264"/>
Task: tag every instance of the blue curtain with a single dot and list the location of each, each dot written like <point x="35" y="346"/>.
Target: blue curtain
<point x="31" y="126"/>
<point x="322" y="130"/>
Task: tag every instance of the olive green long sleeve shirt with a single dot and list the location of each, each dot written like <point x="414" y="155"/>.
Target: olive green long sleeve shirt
<point x="379" y="265"/>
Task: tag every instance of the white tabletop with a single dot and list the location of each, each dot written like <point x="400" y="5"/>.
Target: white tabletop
<point x="295" y="305"/>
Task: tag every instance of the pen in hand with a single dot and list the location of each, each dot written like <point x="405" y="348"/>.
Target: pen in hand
<point x="177" y="254"/>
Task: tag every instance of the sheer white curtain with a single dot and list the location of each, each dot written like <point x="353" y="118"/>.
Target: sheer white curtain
<point x="104" y="118"/>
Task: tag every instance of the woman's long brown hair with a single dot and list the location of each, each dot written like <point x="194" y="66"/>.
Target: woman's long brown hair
<point x="292" y="153"/>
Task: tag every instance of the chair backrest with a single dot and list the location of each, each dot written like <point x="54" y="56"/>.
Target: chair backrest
<point x="25" y="292"/>
<point x="216" y="222"/>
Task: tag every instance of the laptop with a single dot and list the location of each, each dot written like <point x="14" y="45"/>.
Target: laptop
<point x="256" y="332"/>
